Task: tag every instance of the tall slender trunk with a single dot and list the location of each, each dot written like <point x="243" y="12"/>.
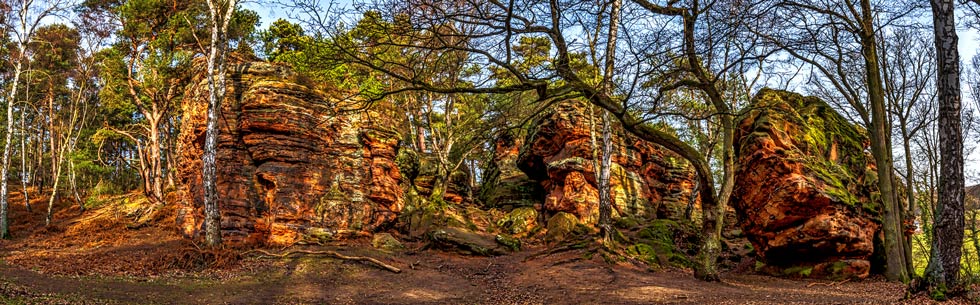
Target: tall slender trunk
<point x="55" y="156"/>
<point x="713" y="212"/>
<point x="4" y="221"/>
<point x="896" y="269"/>
<point x="154" y="152"/>
<point x="216" y="83"/>
<point x="943" y="270"/>
<point x="24" y="172"/>
<point x="605" y="193"/>
<point x="910" y="194"/>
<point x="605" y="196"/>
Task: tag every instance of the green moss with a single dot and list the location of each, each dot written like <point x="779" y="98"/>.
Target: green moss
<point x="627" y="223"/>
<point x="408" y="164"/>
<point x="519" y="221"/>
<point x="656" y="244"/>
<point x="803" y="271"/>
<point x="511" y="243"/>
<point x="560" y="226"/>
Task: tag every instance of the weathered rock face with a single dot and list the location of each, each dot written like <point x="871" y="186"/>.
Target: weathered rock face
<point x="805" y="188"/>
<point x="504" y="185"/>
<point x="420" y="172"/>
<point x="646" y="180"/>
<point x="289" y="167"/>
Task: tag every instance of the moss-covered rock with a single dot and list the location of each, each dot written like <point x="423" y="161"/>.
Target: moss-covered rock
<point x="805" y="188"/>
<point x="510" y="242"/>
<point x="467" y="242"/>
<point x="520" y="222"/>
<point x="560" y="226"/>
<point x="385" y="241"/>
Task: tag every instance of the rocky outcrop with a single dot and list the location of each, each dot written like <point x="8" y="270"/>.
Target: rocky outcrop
<point x="420" y="173"/>
<point x="504" y="185"/>
<point x="646" y="180"/>
<point x="289" y="166"/>
<point x="805" y="187"/>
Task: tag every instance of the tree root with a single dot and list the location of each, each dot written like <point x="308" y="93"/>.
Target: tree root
<point x="332" y="254"/>
<point x="827" y="284"/>
<point x="549" y="252"/>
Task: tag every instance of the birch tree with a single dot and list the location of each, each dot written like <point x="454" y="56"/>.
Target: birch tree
<point x="220" y="12"/>
<point x="942" y="273"/>
<point x="24" y="19"/>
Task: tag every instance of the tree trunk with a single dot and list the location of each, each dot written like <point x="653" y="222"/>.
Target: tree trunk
<point x="24" y="173"/>
<point x="910" y="194"/>
<point x="706" y="266"/>
<point x="221" y="12"/>
<point x="942" y="273"/>
<point x="605" y="166"/>
<point x="4" y="222"/>
<point x="896" y="270"/>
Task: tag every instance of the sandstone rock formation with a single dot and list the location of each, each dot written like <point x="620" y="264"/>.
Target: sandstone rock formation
<point x="805" y="187"/>
<point x="419" y="175"/>
<point x="289" y="166"/>
<point x="504" y="185"/>
<point x="647" y="180"/>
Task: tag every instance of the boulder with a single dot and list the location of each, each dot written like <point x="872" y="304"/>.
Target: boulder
<point x="385" y="241"/>
<point x="805" y="188"/>
<point x="470" y="242"/>
<point x="520" y="222"/>
<point x="646" y="179"/>
<point x="290" y="165"/>
<point x="561" y="226"/>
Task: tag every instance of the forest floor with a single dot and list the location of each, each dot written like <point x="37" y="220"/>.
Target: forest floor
<point x="127" y="254"/>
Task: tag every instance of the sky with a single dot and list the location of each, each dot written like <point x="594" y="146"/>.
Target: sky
<point x="969" y="45"/>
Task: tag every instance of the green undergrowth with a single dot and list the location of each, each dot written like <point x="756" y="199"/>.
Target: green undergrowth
<point x="657" y="243"/>
<point x="969" y="262"/>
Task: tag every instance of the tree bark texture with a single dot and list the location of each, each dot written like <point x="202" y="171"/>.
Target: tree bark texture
<point x="942" y="273"/>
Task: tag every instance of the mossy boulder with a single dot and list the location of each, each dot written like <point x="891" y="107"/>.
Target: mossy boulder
<point x="520" y="222"/>
<point x="560" y="226"/>
<point x="664" y="242"/>
<point x="387" y="242"/>
<point x="467" y="242"/>
<point x="805" y="190"/>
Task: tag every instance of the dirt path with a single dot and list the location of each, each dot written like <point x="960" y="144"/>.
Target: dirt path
<point x="104" y="257"/>
<point x="438" y="278"/>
